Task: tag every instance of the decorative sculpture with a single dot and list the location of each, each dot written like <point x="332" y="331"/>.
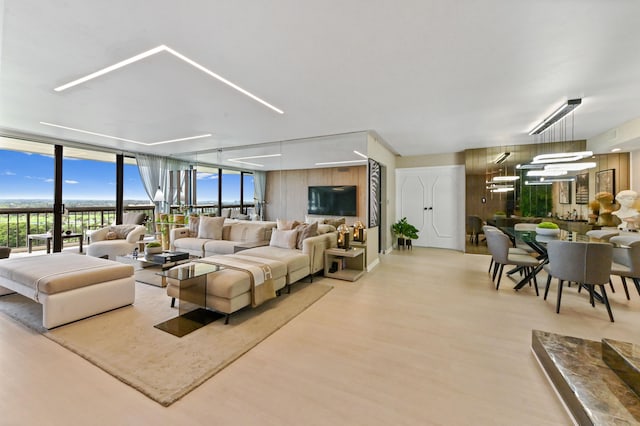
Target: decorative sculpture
<point x="627" y="213"/>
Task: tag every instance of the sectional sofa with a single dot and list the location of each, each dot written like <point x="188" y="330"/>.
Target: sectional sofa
<point x="289" y="261"/>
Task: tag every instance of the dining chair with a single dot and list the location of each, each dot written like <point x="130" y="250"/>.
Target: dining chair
<point x="512" y="250"/>
<point x="586" y="263"/>
<point x="498" y="244"/>
<point x="626" y="261"/>
<point x="524" y="227"/>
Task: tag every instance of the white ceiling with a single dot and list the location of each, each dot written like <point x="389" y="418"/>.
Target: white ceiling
<point x="427" y="76"/>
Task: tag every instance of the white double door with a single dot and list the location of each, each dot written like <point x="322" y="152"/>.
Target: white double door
<point x="432" y="200"/>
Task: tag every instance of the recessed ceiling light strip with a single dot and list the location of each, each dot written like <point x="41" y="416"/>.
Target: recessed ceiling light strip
<point x="113" y="67"/>
<point x="223" y="80"/>
<point x="123" y="139"/>
<point x="328" y="163"/>
<point x="360" y="154"/>
<point x="254" y="157"/>
<point x="246" y="162"/>
<point x="163" y="48"/>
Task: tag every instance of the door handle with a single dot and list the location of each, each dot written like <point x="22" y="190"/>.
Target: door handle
<point x="428" y="208"/>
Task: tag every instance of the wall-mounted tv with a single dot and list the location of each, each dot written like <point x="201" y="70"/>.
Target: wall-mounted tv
<point x="332" y="200"/>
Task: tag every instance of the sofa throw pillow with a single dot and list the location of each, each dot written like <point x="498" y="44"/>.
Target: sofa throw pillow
<point x="210" y="228"/>
<point x="312" y="219"/>
<point x="324" y="228"/>
<point x="286" y="225"/>
<point x="305" y="231"/>
<point x="194" y="223"/>
<point x="111" y="235"/>
<point x="336" y="221"/>
<point x="284" y="239"/>
<point x="121" y="231"/>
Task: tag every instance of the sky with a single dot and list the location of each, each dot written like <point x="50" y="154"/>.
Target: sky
<point x="30" y="176"/>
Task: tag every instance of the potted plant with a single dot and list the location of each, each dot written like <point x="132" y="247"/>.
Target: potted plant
<point x="153" y="247"/>
<point x="547" y="228"/>
<point x="404" y="231"/>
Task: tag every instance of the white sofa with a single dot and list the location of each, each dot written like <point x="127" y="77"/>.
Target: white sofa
<point x="188" y="240"/>
<point x="115" y="240"/>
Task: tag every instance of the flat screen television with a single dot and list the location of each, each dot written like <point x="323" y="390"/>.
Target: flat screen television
<point x="332" y="200"/>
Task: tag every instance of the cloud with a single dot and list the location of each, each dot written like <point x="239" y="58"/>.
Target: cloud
<point x="71" y="182"/>
<point x="203" y="176"/>
<point x="48" y="180"/>
<point x="7" y="173"/>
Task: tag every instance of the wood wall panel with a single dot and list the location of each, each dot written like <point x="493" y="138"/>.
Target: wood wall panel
<point x="287" y="190"/>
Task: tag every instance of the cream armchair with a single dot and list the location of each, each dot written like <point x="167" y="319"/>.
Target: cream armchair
<point x="115" y="240"/>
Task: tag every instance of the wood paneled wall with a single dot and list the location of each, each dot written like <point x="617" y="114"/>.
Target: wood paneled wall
<point x="287" y="190"/>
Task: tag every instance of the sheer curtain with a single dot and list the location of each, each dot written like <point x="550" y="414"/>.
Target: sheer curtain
<point x="153" y="172"/>
<point x="259" y="188"/>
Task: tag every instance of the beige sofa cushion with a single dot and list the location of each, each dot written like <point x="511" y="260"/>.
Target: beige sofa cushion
<point x="210" y="227"/>
<point x="193" y="244"/>
<point x="293" y="258"/>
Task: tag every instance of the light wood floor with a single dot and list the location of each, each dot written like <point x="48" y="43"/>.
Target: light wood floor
<point x="424" y="339"/>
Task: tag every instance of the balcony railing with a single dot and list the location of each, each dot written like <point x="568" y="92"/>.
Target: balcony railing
<point x="17" y="223"/>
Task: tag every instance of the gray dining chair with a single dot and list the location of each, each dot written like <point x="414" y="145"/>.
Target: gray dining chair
<point x="585" y="263"/>
<point x="499" y="245"/>
<point x="626" y="261"/>
<point x="512" y="250"/>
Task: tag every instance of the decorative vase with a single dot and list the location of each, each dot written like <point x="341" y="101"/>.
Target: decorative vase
<point x="547" y="231"/>
<point x="152" y="250"/>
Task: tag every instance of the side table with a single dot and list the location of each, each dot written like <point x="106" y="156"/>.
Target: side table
<point x="343" y="264"/>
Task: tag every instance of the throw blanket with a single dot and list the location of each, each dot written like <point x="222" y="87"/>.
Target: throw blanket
<point x="262" y="286"/>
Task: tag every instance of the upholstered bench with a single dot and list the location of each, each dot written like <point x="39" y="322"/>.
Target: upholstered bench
<point x="229" y="290"/>
<point x="68" y="286"/>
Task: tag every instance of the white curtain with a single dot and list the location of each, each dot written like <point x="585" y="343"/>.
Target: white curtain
<point x="153" y="172"/>
<point x="259" y="189"/>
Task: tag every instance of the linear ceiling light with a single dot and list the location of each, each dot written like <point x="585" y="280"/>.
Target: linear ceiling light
<point x="556" y="116"/>
<point x="505" y="178"/>
<point x="561" y="157"/>
<point x="360" y="154"/>
<point x="123" y="139"/>
<point x="340" y="162"/>
<point x="502" y="190"/>
<point x="501" y="157"/>
<point x="529" y="166"/>
<point x="163" y="48"/>
<point x="546" y="172"/>
<point x="240" y="159"/>
<point x="570" y="166"/>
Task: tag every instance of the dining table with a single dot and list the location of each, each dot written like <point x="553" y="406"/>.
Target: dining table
<point x="538" y="242"/>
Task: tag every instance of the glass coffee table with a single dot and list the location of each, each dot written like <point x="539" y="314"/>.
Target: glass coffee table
<point x="143" y="262"/>
<point x="192" y="300"/>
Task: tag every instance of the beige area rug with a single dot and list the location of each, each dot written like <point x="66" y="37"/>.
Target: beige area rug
<point x="124" y="343"/>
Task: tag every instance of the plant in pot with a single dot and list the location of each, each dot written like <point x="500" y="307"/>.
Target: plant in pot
<point x="547" y="228"/>
<point x="152" y="248"/>
<point x="404" y="231"/>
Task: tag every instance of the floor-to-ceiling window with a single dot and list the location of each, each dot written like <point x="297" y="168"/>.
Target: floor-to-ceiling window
<point x="26" y="190"/>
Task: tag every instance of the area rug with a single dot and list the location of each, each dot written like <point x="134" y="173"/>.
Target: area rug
<point x="124" y="343"/>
